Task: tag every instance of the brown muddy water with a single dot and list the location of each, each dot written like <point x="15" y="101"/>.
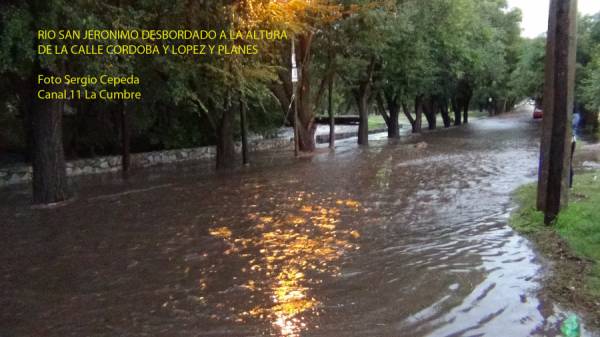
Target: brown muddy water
<point x="391" y="240"/>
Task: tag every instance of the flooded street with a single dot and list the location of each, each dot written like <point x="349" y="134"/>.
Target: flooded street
<point x="405" y="238"/>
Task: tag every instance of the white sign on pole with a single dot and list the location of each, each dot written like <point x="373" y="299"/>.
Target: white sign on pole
<point x="294" y="67"/>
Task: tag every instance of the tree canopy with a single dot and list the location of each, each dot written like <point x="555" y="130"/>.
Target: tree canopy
<point x="385" y="56"/>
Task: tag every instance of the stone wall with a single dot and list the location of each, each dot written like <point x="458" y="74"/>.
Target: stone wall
<point x="19" y="174"/>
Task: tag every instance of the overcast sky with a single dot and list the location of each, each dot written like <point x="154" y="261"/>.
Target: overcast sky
<point x="535" y="13"/>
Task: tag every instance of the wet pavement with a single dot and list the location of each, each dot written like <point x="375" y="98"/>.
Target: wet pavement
<point x="405" y="238"/>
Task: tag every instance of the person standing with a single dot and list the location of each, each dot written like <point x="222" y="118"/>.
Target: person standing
<point x="575" y="125"/>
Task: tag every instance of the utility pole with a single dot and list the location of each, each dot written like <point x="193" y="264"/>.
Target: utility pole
<point x="555" y="159"/>
<point x="294" y="99"/>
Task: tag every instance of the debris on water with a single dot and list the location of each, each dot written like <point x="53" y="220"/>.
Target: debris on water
<point x="570" y="327"/>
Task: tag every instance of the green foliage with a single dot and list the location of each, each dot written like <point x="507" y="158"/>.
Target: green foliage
<point x="588" y="63"/>
<point x="590" y="85"/>
<point x="16" y="43"/>
<point x="435" y="45"/>
<point x="527" y="80"/>
<point x="432" y="48"/>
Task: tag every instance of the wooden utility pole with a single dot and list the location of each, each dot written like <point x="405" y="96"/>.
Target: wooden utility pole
<point x="559" y="85"/>
<point x="295" y="99"/>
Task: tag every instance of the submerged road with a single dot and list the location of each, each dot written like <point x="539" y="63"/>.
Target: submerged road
<point x="404" y="238"/>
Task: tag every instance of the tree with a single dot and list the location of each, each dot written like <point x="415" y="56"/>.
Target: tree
<point x="527" y="80"/>
<point x="366" y="34"/>
<point x="305" y="20"/>
<point x="586" y="85"/>
<point x="43" y="117"/>
<point x="590" y="86"/>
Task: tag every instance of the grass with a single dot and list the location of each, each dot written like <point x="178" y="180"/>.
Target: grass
<point x="572" y="242"/>
<point x="377" y="122"/>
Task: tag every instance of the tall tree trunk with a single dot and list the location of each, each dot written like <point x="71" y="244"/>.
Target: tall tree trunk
<point x="463" y="98"/>
<point x="391" y="120"/>
<point x="363" y="112"/>
<point x="394" y="127"/>
<point x="430" y="113"/>
<point x="445" y="113"/>
<point x="411" y="119"/>
<point x="418" y="114"/>
<point x="125" y="141"/>
<point x="225" y="141"/>
<point x="48" y="160"/>
<point x="50" y="183"/>
<point x="331" y="115"/>
<point x="466" y="105"/>
<point x="306" y="116"/>
<point x="283" y="88"/>
<point x="457" y="112"/>
<point x="392" y="123"/>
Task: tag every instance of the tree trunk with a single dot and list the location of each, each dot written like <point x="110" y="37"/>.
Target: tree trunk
<point x="394" y="127"/>
<point x="392" y="122"/>
<point x="306" y="117"/>
<point x="457" y="112"/>
<point x="48" y="160"/>
<point x="363" y="112"/>
<point x="430" y="114"/>
<point x="50" y="183"/>
<point x="411" y="119"/>
<point x="225" y="142"/>
<point x="331" y="115"/>
<point x="418" y="114"/>
<point x="283" y="89"/>
<point x="445" y="113"/>
<point x="463" y="98"/>
<point x="466" y="105"/>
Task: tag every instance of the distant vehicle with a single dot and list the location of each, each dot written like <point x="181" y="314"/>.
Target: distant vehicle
<point x="538" y="113"/>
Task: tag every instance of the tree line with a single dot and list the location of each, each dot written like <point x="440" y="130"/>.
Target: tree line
<point x="420" y="59"/>
<point x="528" y="79"/>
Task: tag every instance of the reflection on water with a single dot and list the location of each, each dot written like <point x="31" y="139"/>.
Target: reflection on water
<point x="299" y="244"/>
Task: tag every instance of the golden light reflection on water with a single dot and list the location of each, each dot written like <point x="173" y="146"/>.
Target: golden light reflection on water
<point x="290" y="251"/>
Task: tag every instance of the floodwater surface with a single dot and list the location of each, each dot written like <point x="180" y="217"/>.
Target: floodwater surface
<point x="404" y="238"/>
